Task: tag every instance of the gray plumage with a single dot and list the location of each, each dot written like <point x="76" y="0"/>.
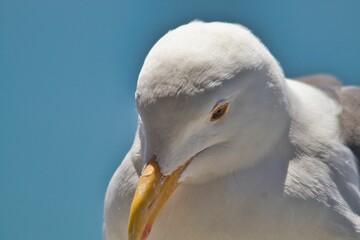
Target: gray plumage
<point x="349" y="98"/>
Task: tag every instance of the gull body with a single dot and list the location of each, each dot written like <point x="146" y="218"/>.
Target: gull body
<point x="278" y="165"/>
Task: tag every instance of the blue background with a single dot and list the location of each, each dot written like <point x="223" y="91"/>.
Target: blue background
<point x="68" y="73"/>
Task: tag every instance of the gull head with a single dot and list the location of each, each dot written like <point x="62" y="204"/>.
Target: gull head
<point x="211" y="100"/>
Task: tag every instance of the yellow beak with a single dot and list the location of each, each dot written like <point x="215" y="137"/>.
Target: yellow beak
<point x="152" y="192"/>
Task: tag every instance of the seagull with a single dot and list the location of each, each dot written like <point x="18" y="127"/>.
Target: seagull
<point x="229" y="148"/>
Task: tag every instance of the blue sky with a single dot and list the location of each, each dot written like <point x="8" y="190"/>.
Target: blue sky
<point x="68" y="73"/>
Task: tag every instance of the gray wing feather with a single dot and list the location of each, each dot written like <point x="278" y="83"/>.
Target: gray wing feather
<point x="349" y="98"/>
<point x="350" y="117"/>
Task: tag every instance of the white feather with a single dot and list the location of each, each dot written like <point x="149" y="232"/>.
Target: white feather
<point x="275" y="167"/>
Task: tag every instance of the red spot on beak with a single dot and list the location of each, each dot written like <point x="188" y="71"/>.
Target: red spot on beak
<point x="146" y="231"/>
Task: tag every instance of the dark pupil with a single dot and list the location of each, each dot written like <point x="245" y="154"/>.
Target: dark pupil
<point x="218" y="112"/>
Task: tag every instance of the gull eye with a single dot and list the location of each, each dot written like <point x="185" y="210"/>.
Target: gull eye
<point x="219" y="112"/>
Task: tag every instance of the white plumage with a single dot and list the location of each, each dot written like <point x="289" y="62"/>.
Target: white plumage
<point x="276" y="166"/>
